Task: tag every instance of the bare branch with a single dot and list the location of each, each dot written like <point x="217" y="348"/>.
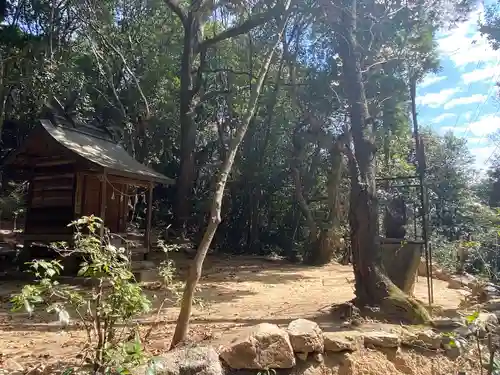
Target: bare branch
<point x="378" y="63"/>
<point x="106" y="78"/>
<point x="245" y="27"/>
<point x="125" y="65"/>
<point x="229" y="70"/>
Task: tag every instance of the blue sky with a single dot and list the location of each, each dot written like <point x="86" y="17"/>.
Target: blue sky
<point x="463" y="96"/>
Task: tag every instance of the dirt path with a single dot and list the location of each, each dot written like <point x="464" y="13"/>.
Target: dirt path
<point x="236" y="292"/>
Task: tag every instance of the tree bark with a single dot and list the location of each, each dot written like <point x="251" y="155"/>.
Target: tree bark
<point x="182" y="326"/>
<point x="372" y="286"/>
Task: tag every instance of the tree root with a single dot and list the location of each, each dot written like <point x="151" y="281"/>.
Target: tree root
<point x="392" y="303"/>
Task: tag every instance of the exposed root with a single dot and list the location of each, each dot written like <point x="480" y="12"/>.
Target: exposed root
<point x="389" y="302"/>
<point x="405" y="309"/>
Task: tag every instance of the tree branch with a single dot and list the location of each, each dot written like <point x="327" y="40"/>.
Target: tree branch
<point x="176" y="8"/>
<point x="208" y="96"/>
<point x="245" y="27"/>
<point x="213" y="94"/>
<point x="126" y="67"/>
<point x="228" y="70"/>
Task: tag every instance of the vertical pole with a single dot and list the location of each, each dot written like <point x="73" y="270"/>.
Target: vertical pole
<point x="77" y="197"/>
<point x="420" y="153"/>
<point x="415" y="237"/>
<point x="496" y="258"/>
<point x="103" y="201"/>
<point x="147" y="235"/>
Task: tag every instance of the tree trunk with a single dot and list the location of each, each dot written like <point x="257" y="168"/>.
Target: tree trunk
<point x="186" y="177"/>
<point x="304" y="207"/>
<point x="182" y="326"/>
<point x="372" y="286"/>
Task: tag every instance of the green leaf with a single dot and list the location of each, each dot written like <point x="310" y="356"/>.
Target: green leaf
<point x="472" y="317"/>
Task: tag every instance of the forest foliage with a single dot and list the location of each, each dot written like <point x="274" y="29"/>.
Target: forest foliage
<point x="175" y="81"/>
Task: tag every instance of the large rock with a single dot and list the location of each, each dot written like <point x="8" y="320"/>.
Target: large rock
<point x="184" y="361"/>
<point x="380" y="339"/>
<point x="447" y="323"/>
<point x="441" y="274"/>
<point x="261" y="347"/>
<point x="305" y="336"/>
<point x="425" y="339"/>
<point x="339" y="342"/>
<point x="492" y="305"/>
<point x="461" y="281"/>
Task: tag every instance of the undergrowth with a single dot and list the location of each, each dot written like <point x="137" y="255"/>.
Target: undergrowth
<point x="108" y="312"/>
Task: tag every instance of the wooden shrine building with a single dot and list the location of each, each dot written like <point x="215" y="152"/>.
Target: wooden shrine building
<point x="78" y="170"/>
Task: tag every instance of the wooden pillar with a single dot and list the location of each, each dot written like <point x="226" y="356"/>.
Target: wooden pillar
<point x="147" y="235"/>
<point x="103" y="201"/>
<point x="77" y="198"/>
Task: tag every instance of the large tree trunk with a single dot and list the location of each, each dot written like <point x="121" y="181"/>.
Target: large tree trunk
<point x="182" y="326"/>
<point x="372" y="286"/>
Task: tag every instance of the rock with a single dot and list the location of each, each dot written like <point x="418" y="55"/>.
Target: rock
<point x="461" y="281"/>
<point x="489" y="291"/>
<point x="302" y="356"/>
<point x="426" y="339"/>
<point x="447" y="323"/>
<point x="441" y="275"/>
<point x="381" y="339"/>
<point x="492" y="305"/>
<point x="455" y="283"/>
<point x="185" y="361"/>
<point x="337" y="342"/>
<point x="318" y="357"/>
<point x="261" y="347"/>
<point x="305" y="336"/>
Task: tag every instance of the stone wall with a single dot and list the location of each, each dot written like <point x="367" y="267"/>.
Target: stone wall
<point x="455" y="281"/>
<point x="301" y="348"/>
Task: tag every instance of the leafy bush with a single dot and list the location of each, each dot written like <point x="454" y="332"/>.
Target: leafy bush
<point x="115" y="300"/>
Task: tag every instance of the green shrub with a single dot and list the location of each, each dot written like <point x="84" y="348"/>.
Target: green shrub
<point x="107" y="312"/>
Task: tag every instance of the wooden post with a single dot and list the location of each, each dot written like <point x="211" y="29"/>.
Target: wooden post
<point x="147" y="239"/>
<point x="77" y="199"/>
<point x="103" y="202"/>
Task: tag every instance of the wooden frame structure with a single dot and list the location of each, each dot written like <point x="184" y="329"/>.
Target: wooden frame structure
<point x="75" y="171"/>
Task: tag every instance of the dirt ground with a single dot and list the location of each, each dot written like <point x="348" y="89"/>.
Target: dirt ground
<point x="235" y="292"/>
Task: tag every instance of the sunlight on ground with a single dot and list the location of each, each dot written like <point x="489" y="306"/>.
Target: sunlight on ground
<point x="236" y="292"/>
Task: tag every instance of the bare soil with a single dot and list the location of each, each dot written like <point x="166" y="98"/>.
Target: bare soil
<point x="236" y="292"/>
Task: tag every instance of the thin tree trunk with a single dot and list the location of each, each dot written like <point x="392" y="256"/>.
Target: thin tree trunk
<point x="304" y="207"/>
<point x="182" y="326"/>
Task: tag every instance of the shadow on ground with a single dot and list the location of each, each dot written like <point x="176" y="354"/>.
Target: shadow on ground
<point x="217" y="271"/>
